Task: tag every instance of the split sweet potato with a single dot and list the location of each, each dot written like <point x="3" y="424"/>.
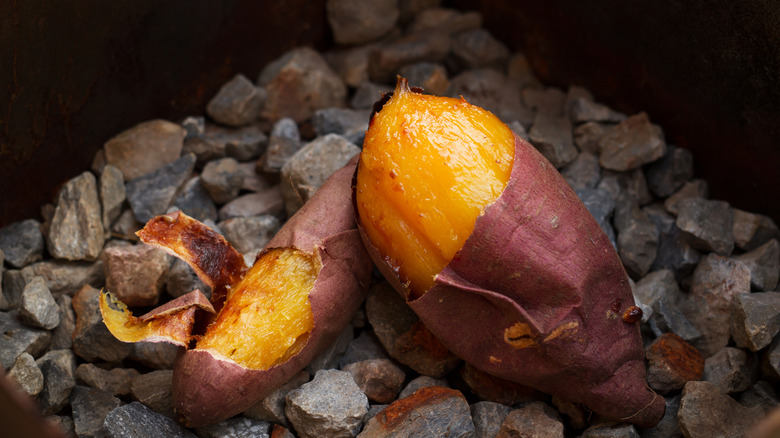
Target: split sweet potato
<point x="498" y="256"/>
<point x="269" y="320"/>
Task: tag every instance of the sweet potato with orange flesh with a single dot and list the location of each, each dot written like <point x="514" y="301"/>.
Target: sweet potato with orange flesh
<point x="276" y="316"/>
<point x="536" y="293"/>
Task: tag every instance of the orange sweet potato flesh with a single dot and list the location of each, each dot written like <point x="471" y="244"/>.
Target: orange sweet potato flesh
<point x="536" y="293"/>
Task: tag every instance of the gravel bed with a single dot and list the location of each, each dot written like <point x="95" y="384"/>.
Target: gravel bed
<point x="704" y="273"/>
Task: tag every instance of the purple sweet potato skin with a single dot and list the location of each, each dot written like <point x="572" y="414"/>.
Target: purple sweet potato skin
<point x="207" y="389"/>
<point x="536" y="296"/>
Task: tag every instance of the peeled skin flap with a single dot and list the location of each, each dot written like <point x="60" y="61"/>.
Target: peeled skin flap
<point x="536" y="296"/>
<point x="208" y="389"/>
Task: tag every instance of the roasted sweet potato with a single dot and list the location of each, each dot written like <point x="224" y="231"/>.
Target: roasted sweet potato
<point x="271" y="319"/>
<point x="497" y="255"/>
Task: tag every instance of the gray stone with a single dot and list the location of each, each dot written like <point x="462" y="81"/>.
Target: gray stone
<point x="284" y="142"/>
<point x="669" y="173"/>
<point x="299" y="83"/>
<point x="761" y="395"/>
<point x="421" y="382"/>
<point x="764" y="265"/>
<point x="145" y="148"/>
<point x="194" y="126"/>
<point x="76" y="230"/>
<point x="112" y="194"/>
<point x="252" y="181"/>
<point x="248" y="235"/>
<point x="367" y="93"/>
<point x="583" y="110"/>
<point x="550" y="101"/>
<point x="351" y="63"/>
<point x="265" y="202"/>
<point x="674" y="252"/>
<point x="379" y="379"/>
<point x="330" y="405"/>
<point x="611" y="430"/>
<point x="630" y="184"/>
<point x="155" y="355"/>
<point x="601" y="205"/>
<point x="669" y="426"/>
<point x="432" y="77"/>
<point x="755" y="319"/>
<point x="706" y="224"/>
<point x="18" y="339"/>
<point x="271" y="408"/>
<point x="305" y="172"/>
<point x="576" y="92"/>
<point x="195" y="201"/>
<point x="477" y="48"/>
<point x="404" y="337"/>
<point x="37" y="307"/>
<point x="22" y="243"/>
<point x="706" y="411"/>
<point x="181" y="279"/>
<point x="243" y="144"/>
<point x="237" y="103"/>
<point x="58" y="368"/>
<point x="62" y="277"/>
<point x="487" y="417"/>
<point x="348" y="123"/>
<point x="551" y="135"/>
<point x="364" y="346"/>
<point x="126" y="226"/>
<point x="587" y="136"/>
<point x="151" y="194"/>
<point x="696" y="188"/>
<point x="64" y="424"/>
<point x="153" y="389"/>
<point x="235" y="428"/>
<point x="115" y="381"/>
<point x="331" y="357"/>
<point x="752" y="230"/>
<point x="387" y="59"/>
<point x="714" y="283"/>
<point x="668" y="318"/>
<point x="444" y="20"/>
<point x="770" y="365"/>
<point x="359" y="22"/>
<point x="656" y="285"/>
<point x="90" y="407"/>
<point x="633" y="143"/>
<point x="62" y="335"/>
<point x="731" y="369"/>
<point x="433" y="411"/>
<point x="222" y="179"/>
<point x="637" y="238"/>
<point x="583" y="173"/>
<point x="493" y="91"/>
<point x="136" y="274"/>
<point x="26" y="374"/>
<point x="205" y="146"/>
<point x="535" y="419"/>
<point x="134" y="420"/>
<point x="91" y="339"/>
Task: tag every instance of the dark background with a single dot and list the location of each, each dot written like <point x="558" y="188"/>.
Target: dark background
<point x="73" y="74"/>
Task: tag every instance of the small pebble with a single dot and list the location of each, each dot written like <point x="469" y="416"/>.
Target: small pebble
<point x="62" y="335"/>
<point x="582" y="173"/>
<point x="58" y="368"/>
<point x="731" y="369"/>
<point x="283" y="143"/>
<point x="549" y="101"/>
<point x="18" y="338"/>
<point x="752" y="230"/>
<point x="265" y="202"/>
<point x="551" y="135"/>
<point x="755" y="319"/>
<point x="330" y="405"/>
<point x="112" y="194"/>
<point x="145" y="147"/>
<point x="611" y="430"/>
<point x="379" y="379"/>
<point x="37" y="307"/>
<point x="477" y="48"/>
<point x="134" y="420"/>
<point x="195" y="201"/>
<point x="235" y="428"/>
<point x="535" y="419"/>
<point x="248" y="235"/>
<point x="91" y="339"/>
<point x="237" y="103"/>
<point x="430" y="76"/>
<point x="431" y="411"/>
<point x="22" y="243"/>
<point x="115" y="381"/>
<point x="153" y="389"/>
<point x="634" y="142"/>
<point x="706" y="411"/>
<point x="669" y="173"/>
<point x="582" y="110"/>
<point x="695" y="188"/>
<point x="271" y="408"/>
<point x="136" y="274"/>
<point x="359" y="22"/>
<point x="154" y="355"/>
<point x="637" y="237"/>
<point x="671" y="363"/>
<point x="151" y="194"/>
<point x="76" y="229"/>
<point x="488" y="417"/>
<point x="764" y="265"/>
<point x="348" y="123"/>
<point x="90" y="407"/>
<point x="222" y="179"/>
<point x="706" y="224"/>
<point x="181" y="279"/>
<point x="495" y="92"/>
<point x="26" y="374"/>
